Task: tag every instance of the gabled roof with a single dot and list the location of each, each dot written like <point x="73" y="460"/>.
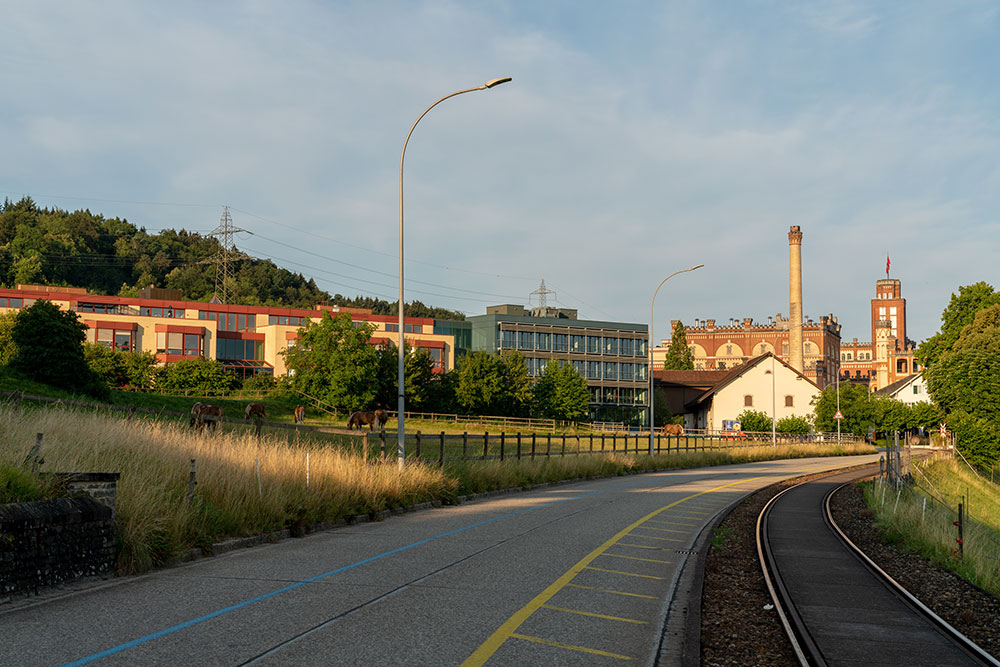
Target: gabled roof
<point x="690" y="378"/>
<point x="895" y="387"/>
<point x="736" y="373"/>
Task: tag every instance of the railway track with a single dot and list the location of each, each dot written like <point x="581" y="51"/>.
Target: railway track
<point x="837" y="606"/>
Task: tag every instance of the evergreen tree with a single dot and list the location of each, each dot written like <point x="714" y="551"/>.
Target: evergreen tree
<point x="561" y="392"/>
<point x="679" y="356"/>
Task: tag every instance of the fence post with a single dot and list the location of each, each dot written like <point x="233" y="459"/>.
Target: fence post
<point x="532" y="446"/>
<point x="381" y="437"/>
<point x="614" y="443"/>
<point x="960" y="522"/>
<point x="577" y="444"/>
<point x="563" y="445"/>
<point x="465" y="443"/>
<point x="441" y="460"/>
<point x="518" y="445"/>
<point x="418" y="445"/>
<point x="502" y="434"/>
<point x="486" y="444"/>
<point x="602" y="442"/>
<point x="364" y="447"/>
<point x="191" y="484"/>
<point x="591" y="442"/>
<point x="548" y="444"/>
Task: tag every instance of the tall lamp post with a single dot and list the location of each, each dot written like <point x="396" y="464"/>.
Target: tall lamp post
<point x="401" y="409"/>
<point x="649" y="345"/>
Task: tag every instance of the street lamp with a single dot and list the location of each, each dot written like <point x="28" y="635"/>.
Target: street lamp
<point x="401" y="437"/>
<point x="649" y="344"/>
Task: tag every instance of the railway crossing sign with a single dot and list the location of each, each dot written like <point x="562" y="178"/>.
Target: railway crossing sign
<point x="838" y="415"/>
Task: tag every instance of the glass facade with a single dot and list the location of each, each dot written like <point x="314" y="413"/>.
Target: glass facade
<point x="232" y="321"/>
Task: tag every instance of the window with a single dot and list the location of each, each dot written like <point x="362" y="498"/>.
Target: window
<point x="560" y="342"/>
<point x="233" y="321"/>
<point x="117" y="339"/>
<point x="542" y="341"/>
<point x="577" y="343"/>
<point x="784" y="348"/>
<point x="748" y="401"/>
<point x="507" y="340"/>
<point x="789" y="402"/>
<point x="594" y="370"/>
<point x="169" y="311"/>
<point x="235" y="348"/>
<point x="580" y="367"/>
<point x="436" y="357"/>
<point x="610" y="345"/>
<point x="916" y="389"/>
<point x="10" y="303"/>
<point x="178" y="343"/>
<point x="729" y="350"/>
<point x="628" y="347"/>
<point x="593" y="344"/>
<point x="284" y="319"/>
<point x="640" y="348"/>
<point x="97" y="307"/>
<point x="525" y="340"/>
<point x="610" y="370"/>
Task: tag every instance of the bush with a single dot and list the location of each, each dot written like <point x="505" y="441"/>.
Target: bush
<point x="260" y="382"/>
<point x="199" y="374"/>
<point x="118" y="368"/>
<point x="793" y="424"/>
<point x="754" y="421"/>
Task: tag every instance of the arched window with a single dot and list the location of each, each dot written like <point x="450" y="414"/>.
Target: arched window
<point x="789" y="402"/>
<point x="748" y="401"/>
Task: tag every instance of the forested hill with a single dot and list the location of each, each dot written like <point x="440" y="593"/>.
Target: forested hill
<point x="112" y="256"/>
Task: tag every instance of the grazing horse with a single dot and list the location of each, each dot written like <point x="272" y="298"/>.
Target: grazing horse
<point x="673" y="429"/>
<point x="300" y="414"/>
<point x="208" y="415"/>
<point x="369" y="419"/>
<point x="381" y="417"/>
<point x="254" y="409"/>
<point x="195" y="412"/>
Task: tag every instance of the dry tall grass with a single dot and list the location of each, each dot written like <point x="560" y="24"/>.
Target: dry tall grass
<point x="156" y="522"/>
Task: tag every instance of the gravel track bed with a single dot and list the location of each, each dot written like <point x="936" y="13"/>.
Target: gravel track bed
<point x="738" y="629"/>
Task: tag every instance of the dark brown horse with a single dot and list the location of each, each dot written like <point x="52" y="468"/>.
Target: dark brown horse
<point x="373" y="420"/>
<point x="300" y="414"/>
<point x="203" y="414"/>
<point x="253" y="409"/>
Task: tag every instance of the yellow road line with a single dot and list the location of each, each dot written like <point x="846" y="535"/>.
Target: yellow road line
<point x="590" y="613"/>
<point x="571" y="647"/>
<point x="663" y="530"/>
<point x="613" y="592"/>
<point x="494" y="641"/>
<point x="628" y="574"/>
<point x="676" y="523"/>
<point x="648" y="560"/>
<point x="650" y="537"/>
<point x="640" y="546"/>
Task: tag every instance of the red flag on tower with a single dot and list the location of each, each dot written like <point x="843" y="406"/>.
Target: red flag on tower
<point x="887" y="266"/>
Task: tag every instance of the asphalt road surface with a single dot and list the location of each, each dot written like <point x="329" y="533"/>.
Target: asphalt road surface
<point x="579" y="574"/>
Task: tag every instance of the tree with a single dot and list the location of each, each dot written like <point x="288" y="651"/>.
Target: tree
<point x="966" y="380"/>
<point x="50" y="349"/>
<point x="754" y="421"/>
<point x="333" y="362"/>
<point x="561" y="392"/>
<point x="855" y="405"/>
<point x="490" y="384"/>
<point x="679" y="356"/>
<point x="120" y="368"/>
<point x="961" y="311"/>
<point x="418" y="373"/>
<point x="7" y="346"/>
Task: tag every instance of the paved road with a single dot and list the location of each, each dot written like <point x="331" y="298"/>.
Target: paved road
<point x="571" y="574"/>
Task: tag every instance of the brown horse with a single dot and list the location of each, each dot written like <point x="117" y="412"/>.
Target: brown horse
<point x="253" y="409"/>
<point x="204" y="414"/>
<point x="673" y="429"/>
<point x="300" y="414"/>
<point x="372" y="420"/>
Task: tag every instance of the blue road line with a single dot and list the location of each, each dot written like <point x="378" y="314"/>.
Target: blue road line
<point x="260" y="598"/>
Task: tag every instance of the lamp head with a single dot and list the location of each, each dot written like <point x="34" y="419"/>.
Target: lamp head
<point x="496" y="82"/>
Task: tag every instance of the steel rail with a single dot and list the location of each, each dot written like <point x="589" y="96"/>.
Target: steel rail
<point x="803" y="645"/>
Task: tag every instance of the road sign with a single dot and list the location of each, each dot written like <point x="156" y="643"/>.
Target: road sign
<point x="838" y="415"/>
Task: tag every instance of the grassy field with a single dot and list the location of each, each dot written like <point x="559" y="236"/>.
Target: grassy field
<point x="249" y="486"/>
<point x="920" y="518"/>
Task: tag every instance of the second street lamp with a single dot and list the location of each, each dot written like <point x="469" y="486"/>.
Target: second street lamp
<point x="401" y="408"/>
<point x="649" y="345"/>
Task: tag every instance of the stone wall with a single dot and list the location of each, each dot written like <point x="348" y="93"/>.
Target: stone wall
<point x="52" y="542"/>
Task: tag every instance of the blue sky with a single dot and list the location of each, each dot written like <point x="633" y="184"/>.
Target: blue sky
<point x="636" y="139"/>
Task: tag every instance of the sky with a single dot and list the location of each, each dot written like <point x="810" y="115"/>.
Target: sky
<point x="636" y="139"/>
